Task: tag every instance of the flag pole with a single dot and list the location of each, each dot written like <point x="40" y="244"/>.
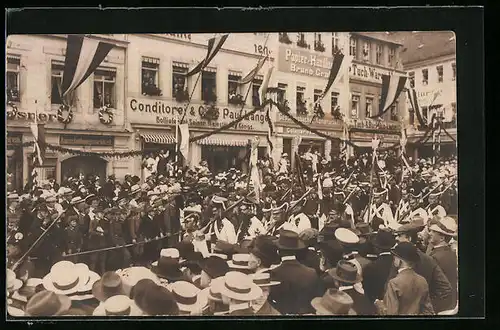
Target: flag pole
<point x="176" y="142"/>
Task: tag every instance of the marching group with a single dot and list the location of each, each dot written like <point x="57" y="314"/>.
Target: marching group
<point x="321" y="240"/>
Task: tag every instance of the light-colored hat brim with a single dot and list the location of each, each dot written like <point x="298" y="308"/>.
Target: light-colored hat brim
<point x="101" y="311"/>
<point x="439" y="230"/>
<point x="201" y="302"/>
<point x="316" y="304"/>
<point x="272" y="283"/>
<point x="16" y="312"/>
<point x="255" y="293"/>
<point x="16" y="285"/>
<point x="48" y="285"/>
<point x="93" y="277"/>
<point x="232" y="265"/>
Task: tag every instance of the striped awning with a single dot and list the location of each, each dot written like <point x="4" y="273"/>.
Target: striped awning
<point x="235" y="73"/>
<point x="208" y="69"/>
<point x="158" y="138"/>
<point x="13" y="57"/>
<point x="151" y="60"/>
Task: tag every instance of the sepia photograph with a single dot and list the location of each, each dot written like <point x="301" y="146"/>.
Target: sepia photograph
<point x="232" y="174"/>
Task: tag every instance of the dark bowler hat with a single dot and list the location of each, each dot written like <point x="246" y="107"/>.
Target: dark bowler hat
<point x="345" y="272"/>
<point x="214" y="266"/>
<point x="289" y="240"/>
<point x="169" y="269"/>
<point x="157" y="301"/>
<point x="108" y="286"/>
<point x="265" y="249"/>
<point x="407" y="252"/>
<point x="384" y="240"/>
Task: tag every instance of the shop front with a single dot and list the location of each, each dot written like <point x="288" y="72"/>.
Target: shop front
<point x="14" y="160"/>
<point x="363" y="139"/>
<point x="154" y="121"/>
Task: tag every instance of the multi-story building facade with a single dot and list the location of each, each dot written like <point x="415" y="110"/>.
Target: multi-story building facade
<point x="373" y="54"/>
<point x="34" y="73"/>
<point x="430" y="62"/>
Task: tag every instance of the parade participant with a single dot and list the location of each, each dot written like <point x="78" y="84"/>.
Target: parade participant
<point x="379" y="212"/>
<point x="416" y="210"/>
<point x="435" y="208"/>
<point x="283" y="164"/>
<point x="408" y="292"/>
<point x="261" y="306"/>
<point x="221" y="228"/>
<point x="403" y="206"/>
<point x="343" y="278"/>
<point x="299" y="283"/>
<point x="439" y="286"/>
<point x="297" y="221"/>
<point x="441" y="232"/>
<point x="250" y="226"/>
<point x="239" y="291"/>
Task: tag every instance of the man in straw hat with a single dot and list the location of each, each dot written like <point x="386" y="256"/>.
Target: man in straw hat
<point x="299" y="283"/>
<point x="439" y="286"/>
<point x="261" y="306"/>
<point x="408" y="292"/>
<point x="239" y="291"/>
<point x="441" y="233"/>
<point x="333" y="302"/>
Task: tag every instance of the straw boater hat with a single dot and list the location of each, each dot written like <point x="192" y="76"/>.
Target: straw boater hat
<point x="132" y="275"/>
<point x="13" y="283"/>
<point x="239" y="286"/>
<point x="263" y="279"/>
<point x="119" y="305"/>
<point x="47" y="303"/>
<point x="65" y="278"/>
<point x="334" y="302"/>
<point x="239" y="261"/>
<point x="85" y="290"/>
<point x="214" y="290"/>
<point x="188" y="296"/>
<point x="77" y="200"/>
<point x="446" y="226"/>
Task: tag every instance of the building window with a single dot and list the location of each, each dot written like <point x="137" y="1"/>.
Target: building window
<point x="255" y="92"/>
<point x="335" y="109"/>
<point x="104" y="88"/>
<point x="301" y="102"/>
<point x="352" y="47"/>
<point x="318" y="43"/>
<point x="317" y="94"/>
<point x="354" y="106"/>
<point x="150" y="76"/>
<point x="179" y="82"/>
<point x="208" y="86"/>
<point x="233" y="87"/>
<point x="301" y="40"/>
<point x="13" y="83"/>
<point x="335" y="43"/>
<point x="378" y="54"/>
<point x="439" y="70"/>
<point x="411" y="76"/>
<point x="425" y="77"/>
<point x="282" y="92"/>
<point x="392" y="56"/>
<point x="369" y="107"/>
<point x="284" y="38"/>
<point x="366" y="51"/>
<point x="56" y="83"/>
<point x="394" y="112"/>
<point x="454" y="71"/>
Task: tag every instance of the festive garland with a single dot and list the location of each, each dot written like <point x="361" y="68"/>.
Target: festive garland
<point x="60" y="114"/>
<point x="103" y="111"/>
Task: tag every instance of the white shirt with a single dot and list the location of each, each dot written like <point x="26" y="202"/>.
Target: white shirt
<point x="288" y="258"/>
<point x="403" y="268"/>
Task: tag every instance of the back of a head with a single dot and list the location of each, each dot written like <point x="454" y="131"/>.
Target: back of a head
<point x="159" y="301"/>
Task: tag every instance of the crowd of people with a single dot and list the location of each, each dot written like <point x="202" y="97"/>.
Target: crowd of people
<point x="317" y="239"/>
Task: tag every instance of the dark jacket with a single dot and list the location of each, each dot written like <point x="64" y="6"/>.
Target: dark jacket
<point x="268" y="310"/>
<point x="243" y="312"/>
<point x="375" y="277"/>
<point x="311" y="259"/>
<point x="361" y="304"/>
<point x="299" y="285"/>
<point x="447" y="261"/>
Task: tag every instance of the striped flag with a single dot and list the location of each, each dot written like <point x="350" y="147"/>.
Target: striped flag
<point x="265" y="85"/>
<point x="251" y="75"/>
<point x="83" y="57"/>
<point x="254" y="170"/>
<point x="337" y="63"/>
<point x="271" y="127"/>
<point x="343" y="150"/>
<point x="392" y="86"/>
<point x="38" y="131"/>
<point x="214" y="45"/>
<point x="412" y="97"/>
<point x="183" y="142"/>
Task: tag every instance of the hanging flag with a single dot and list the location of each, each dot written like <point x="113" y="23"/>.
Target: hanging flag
<point x="184" y="140"/>
<point x="214" y="45"/>
<point x="254" y="170"/>
<point x="298" y="166"/>
<point x="320" y="189"/>
<point x="271" y="127"/>
<point x="337" y="63"/>
<point x="412" y="97"/>
<point x="343" y="151"/>
<point x="251" y="75"/>
<point x="328" y="150"/>
<point x="83" y="57"/>
<point x="265" y="85"/>
<point x="392" y="86"/>
<point x="38" y="131"/>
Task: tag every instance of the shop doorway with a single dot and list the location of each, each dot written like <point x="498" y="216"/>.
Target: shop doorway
<point x="221" y="159"/>
<point x="72" y="167"/>
<point x="14" y="169"/>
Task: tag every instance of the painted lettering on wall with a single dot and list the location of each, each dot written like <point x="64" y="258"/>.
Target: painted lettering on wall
<point x="366" y="72"/>
<point x="30" y="116"/>
<point x="304" y="62"/>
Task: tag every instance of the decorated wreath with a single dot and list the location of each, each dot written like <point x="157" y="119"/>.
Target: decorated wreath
<point x="105" y="115"/>
<point x="209" y="113"/>
<point x="64" y="114"/>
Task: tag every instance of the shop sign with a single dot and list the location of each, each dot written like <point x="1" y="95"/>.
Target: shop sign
<point x="42" y="117"/>
<point x="373" y="124"/>
<point x="87" y="140"/>
<point x="162" y="112"/>
<point x="309" y="119"/>
<point x="13" y="140"/>
<point x="369" y="136"/>
<point x="367" y="73"/>
<point x="304" y="62"/>
<point x="304" y="132"/>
